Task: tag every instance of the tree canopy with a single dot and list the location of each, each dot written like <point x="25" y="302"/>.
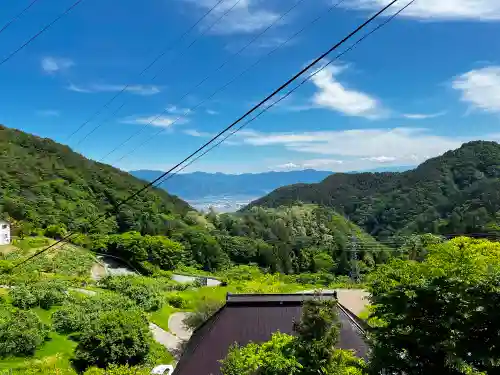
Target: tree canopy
<point x="458" y="192"/>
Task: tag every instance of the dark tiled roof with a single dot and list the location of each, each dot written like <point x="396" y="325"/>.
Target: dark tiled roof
<point x="255" y="318"/>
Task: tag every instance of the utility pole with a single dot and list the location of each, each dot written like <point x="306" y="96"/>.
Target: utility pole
<point x="354" y="259"/>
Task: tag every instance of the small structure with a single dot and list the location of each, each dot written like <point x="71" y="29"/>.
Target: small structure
<point x="4" y="232"/>
<point x="248" y="317"/>
<point x="163" y="370"/>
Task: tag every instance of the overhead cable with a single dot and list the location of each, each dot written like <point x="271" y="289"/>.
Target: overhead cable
<point x="227" y="84"/>
<point x="17" y="16"/>
<point x="289" y="93"/>
<point x="164" y="51"/>
<point x="222" y="132"/>
<point x="191" y="90"/>
<point x="40" y="32"/>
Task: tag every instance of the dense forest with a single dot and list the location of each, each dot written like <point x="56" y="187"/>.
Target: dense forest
<point x="45" y="183"/>
<point x="48" y="189"/>
<point x="458" y="192"/>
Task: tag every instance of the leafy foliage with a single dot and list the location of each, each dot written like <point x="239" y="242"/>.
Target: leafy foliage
<point x="204" y="309"/>
<point x="458" y="192"/>
<point x="310" y="352"/>
<point x="44" y="294"/>
<point x="50" y="186"/>
<point x="440" y="315"/>
<point x="137" y="249"/>
<point x="296" y="240"/>
<point x="139" y="289"/>
<point x="74" y="316"/>
<point x="21" y="332"/>
<point x="114" y="337"/>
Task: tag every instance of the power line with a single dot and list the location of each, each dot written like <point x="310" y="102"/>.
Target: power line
<point x="156" y="75"/>
<point x="291" y="91"/>
<point x="241" y="50"/>
<point x="229" y="127"/>
<point x="48" y="26"/>
<point x="17" y="16"/>
<point x="227" y="84"/>
<point x="167" y="49"/>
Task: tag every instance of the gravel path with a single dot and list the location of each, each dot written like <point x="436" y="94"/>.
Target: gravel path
<point x="356" y="300"/>
<point x="177" y="327"/>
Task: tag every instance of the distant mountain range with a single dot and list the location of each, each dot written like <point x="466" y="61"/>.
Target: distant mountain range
<point x="199" y="185"/>
<point x="229" y="192"/>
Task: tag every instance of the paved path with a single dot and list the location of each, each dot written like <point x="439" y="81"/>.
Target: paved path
<point x="167" y="339"/>
<point x="177" y="327"/>
<point x="356" y="300"/>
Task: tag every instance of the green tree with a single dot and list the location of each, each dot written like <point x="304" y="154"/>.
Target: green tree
<point x="114" y="337"/>
<point x="438" y="316"/>
<point x="311" y="351"/>
<point x="21" y="333"/>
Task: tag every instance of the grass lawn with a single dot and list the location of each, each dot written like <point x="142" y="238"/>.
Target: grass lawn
<point x="160" y="317"/>
<point x="59" y="346"/>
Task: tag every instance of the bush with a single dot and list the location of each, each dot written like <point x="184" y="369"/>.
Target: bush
<point x="21" y="333"/>
<point x="176" y="301"/>
<point x="203" y="311"/>
<point x="114" y="337"/>
<point x="43" y="293"/>
<point x="143" y="291"/>
<point x="118" y="370"/>
<point x="56" y="231"/>
<point x="74" y="317"/>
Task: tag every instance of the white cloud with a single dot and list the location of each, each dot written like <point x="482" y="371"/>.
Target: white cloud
<point x="478" y="10"/>
<point x="48" y="113"/>
<point x="247" y="16"/>
<point x="143" y="90"/>
<point x="480" y="88"/>
<point x="196" y="133"/>
<point x="211" y="112"/>
<point x="52" y="65"/>
<point x="398" y="146"/>
<point x="159" y="121"/>
<point x="290" y="166"/>
<point x="174" y="110"/>
<point x="381" y="159"/>
<point x="336" y="96"/>
<point x="423" y="116"/>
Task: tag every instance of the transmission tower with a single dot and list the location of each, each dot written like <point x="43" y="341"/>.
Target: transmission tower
<point x="354" y="259"/>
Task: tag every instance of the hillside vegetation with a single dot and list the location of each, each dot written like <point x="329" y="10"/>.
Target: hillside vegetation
<point x="458" y="192"/>
<point x="45" y="183"/>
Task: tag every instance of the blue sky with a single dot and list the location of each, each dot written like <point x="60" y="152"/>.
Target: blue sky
<point x="424" y="84"/>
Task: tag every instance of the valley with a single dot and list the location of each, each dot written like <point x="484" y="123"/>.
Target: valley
<point x="117" y="296"/>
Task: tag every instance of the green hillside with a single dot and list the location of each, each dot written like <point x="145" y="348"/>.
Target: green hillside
<point x="46" y="183"/>
<point x="458" y="192"/>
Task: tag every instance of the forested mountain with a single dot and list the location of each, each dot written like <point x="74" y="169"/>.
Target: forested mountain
<point x="199" y="184"/>
<point x="297" y="239"/>
<point x="46" y="183"/>
<point x="458" y="192"/>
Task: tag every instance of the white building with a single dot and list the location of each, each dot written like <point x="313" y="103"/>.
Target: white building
<point x="4" y="233"/>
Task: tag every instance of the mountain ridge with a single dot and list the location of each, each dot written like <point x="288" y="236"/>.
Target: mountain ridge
<point x="457" y="192"/>
<point x="46" y="183"/>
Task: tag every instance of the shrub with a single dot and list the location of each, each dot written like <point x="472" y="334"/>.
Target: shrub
<point x="21" y="332"/>
<point x="176" y="301"/>
<point x="114" y="337"/>
<point x="141" y="290"/>
<point x="75" y="316"/>
<point x="203" y="311"/>
<point x="43" y="293"/>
